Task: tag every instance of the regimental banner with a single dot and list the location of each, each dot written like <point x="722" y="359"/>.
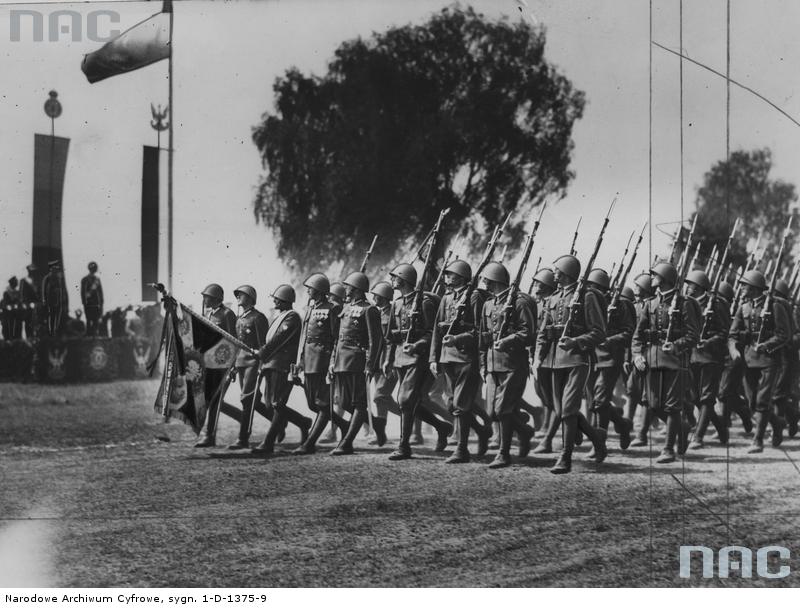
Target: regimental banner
<point x="49" y="167"/>
<point x="150" y="205"/>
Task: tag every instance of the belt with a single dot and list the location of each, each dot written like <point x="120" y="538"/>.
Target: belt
<point x="352" y="342"/>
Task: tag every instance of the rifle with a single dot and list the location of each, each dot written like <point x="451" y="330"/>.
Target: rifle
<point x="580" y="290"/>
<point x="533" y="278"/>
<point x="766" y="311"/>
<point x="674" y="310"/>
<point x="751" y="259"/>
<point x="513" y="289"/>
<point x="419" y="292"/>
<point x="440" y="276"/>
<point x="708" y="313"/>
<point x="693" y="263"/>
<point x="369" y="253"/>
<point x="620" y="280"/>
<point x="712" y="262"/>
<point x="575" y="237"/>
<point x="466" y="297"/>
<point x="503" y="254"/>
<point x="615" y="280"/>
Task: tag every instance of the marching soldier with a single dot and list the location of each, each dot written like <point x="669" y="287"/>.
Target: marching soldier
<point x="278" y="354"/>
<point x="9" y="311"/>
<point x="564" y="360"/>
<point x="662" y="345"/>
<point x="55" y="298"/>
<point x="455" y="354"/>
<point x="784" y="386"/>
<point x="762" y="342"/>
<point x="731" y="389"/>
<point x="383" y="384"/>
<point x="708" y="357"/>
<point x="29" y="296"/>
<point x="504" y="359"/>
<point x="610" y="356"/>
<point x="320" y="329"/>
<point x="336" y="297"/>
<point x="356" y="353"/>
<point x="634" y="387"/>
<point x="92" y="299"/>
<point x="251" y="328"/>
<point x="224" y="318"/>
<point x="410" y="360"/>
<point x="544" y="283"/>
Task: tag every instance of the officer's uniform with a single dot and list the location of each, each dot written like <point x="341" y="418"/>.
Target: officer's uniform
<point x="731" y="385"/>
<point x="563" y="374"/>
<point x="29" y="296"/>
<point x="251" y="328"/>
<point x="412" y="368"/>
<point x="55" y="300"/>
<point x="224" y="318"/>
<point x="382" y="385"/>
<point x="707" y="364"/>
<point x="667" y="373"/>
<point x="762" y="368"/>
<point x="92" y="299"/>
<point x="10" y="308"/>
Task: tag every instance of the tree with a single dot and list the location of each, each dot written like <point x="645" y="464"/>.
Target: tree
<point x="459" y="112"/>
<point x="741" y="187"/>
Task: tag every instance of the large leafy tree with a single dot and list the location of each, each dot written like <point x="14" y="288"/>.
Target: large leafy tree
<point x="461" y="112"/>
<point x="742" y="187"/>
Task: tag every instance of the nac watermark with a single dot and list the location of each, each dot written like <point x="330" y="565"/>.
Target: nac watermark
<point x="62" y="26"/>
<point x="767" y="562"/>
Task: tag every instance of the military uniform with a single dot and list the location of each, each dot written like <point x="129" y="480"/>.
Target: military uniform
<point x="667" y="373"/>
<point x="785" y="385"/>
<point x="55" y="300"/>
<point x="412" y="368"/>
<point x="251" y="328"/>
<point x="224" y="318"/>
<point x="92" y="300"/>
<point x="29" y="296"/>
<point x="563" y="374"/>
<point x="383" y="385"/>
<point x="10" y="309"/>
<point x="762" y="368"/>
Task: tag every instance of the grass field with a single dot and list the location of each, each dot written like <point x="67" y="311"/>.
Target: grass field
<point x="97" y="491"/>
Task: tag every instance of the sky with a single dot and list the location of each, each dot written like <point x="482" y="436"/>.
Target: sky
<point x="228" y="54"/>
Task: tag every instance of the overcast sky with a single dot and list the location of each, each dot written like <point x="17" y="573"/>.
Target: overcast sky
<point x="227" y="56"/>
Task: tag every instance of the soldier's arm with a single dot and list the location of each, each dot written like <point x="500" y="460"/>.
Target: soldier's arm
<point x="735" y="335"/>
<point x="438" y="332"/>
<point x="783" y="328"/>
<point x="720" y="325"/>
<point x="595" y="323"/>
<point x="425" y="333"/>
<point x="638" y="339"/>
<point x="525" y="329"/>
<point x="390" y="335"/>
<point x="100" y="292"/>
<point x="690" y="311"/>
<point x="625" y="326"/>
<point x="375" y="339"/>
<point x="229" y="322"/>
<point x="470" y="322"/>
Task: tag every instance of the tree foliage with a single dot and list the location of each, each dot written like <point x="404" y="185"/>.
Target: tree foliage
<point x="741" y="187"/>
<point x="460" y="112"/>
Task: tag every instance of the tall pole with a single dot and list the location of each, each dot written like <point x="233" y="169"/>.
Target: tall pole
<point x="52" y="107"/>
<point x="171" y="153"/>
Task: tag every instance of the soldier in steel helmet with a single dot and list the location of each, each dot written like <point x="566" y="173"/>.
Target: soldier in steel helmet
<point x="336" y="296"/>
<point x="408" y="355"/>
<point x="662" y="349"/>
<point x="544" y="286"/>
<point x="708" y="357"/>
<point x="610" y="356"/>
<point x="383" y="383"/>
<point x="356" y="356"/>
<point x="784" y="396"/>
<point x="504" y="340"/>
<point x="224" y="318"/>
<point x="320" y="329"/>
<point x="251" y="328"/>
<point x="92" y="299"/>
<point x="564" y="361"/>
<point x="731" y="386"/>
<point x="454" y="352"/>
<point x="278" y="354"/>
<point x="762" y="336"/>
<point x="642" y="293"/>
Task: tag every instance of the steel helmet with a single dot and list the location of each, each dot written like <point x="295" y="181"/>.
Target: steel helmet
<point x="569" y="265"/>
<point x="755" y="279"/>
<point x="666" y="271"/>
<point x="627" y="294"/>
<point x="644" y="282"/>
<point x="213" y="291"/>
<point x="460" y="268"/>
<point x="406" y="272"/>
<point x="284" y="293"/>
<point x="495" y="271"/>
<point x="358" y="280"/>
<point x="247" y="290"/>
<point x="337" y="290"/>
<point x="92" y="266"/>
<point x="699" y="278"/>
<point x="599" y="277"/>
<point x="383" y="289"/>
<point x="726" y="291"/>
<point x="319" y="282"/>
<point x="546" y="277"/>
<point x="782" y="288"/>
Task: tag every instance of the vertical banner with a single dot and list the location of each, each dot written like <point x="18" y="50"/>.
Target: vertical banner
<point x="149" y="223"/>
<point x="49" y="165"/>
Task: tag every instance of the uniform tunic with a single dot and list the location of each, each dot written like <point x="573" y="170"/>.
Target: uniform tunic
<point x="707" y="363"/>
<point x="356" y="351"/>
<point x="320" y="328"/>
<point x="278" y="355"/>
<point x="251" y="328"/>
<point x="611" y="354"/>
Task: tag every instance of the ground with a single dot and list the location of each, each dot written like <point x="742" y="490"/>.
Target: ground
<point x="98" y="492"/>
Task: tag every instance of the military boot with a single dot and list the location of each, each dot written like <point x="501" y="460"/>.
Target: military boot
<point x="778" y="425"/>
<point x="403" y="451"/>
<point x="345" y="446"/>
<point x="569" y="430"/>
<point x="760" y="429"/>
<point x="503" y="458"/>
<point x="443" y="429"/>
<point x="525" y="435"/>
<point x="278" y="422"/>
<point x="309" y="446"/>
<point x="461" y="453"/>
<point x="379" y="426"/>
<point x="484" y="433"/>
<point x="641" y="437"/>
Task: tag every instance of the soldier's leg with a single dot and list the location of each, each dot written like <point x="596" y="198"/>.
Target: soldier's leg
<point x="250" y="393"/>
<point x="707" y="381"/>
<point x="213" y="383"/>
<point x="318" y="399"/>
<point x="505" y="399"/>
<point x="337" y="410"/>
<point x="404" y="396"/>
<point x="463" y="382"/>
<point x="422" y="379"/>
<point x="556" y="379"/>
<point x="277" y="392"/>
<point x="545" y="379"/>
<point x="357" y="383"/>
<point x="574" y="388"/>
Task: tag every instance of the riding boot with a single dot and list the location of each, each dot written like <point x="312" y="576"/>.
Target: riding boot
<point x="569" y="429"/>
<point x="379" y="426"/>
<point x="484" y="433"/>
<point x="503" y="458"/>
<point x="278" y="422"/>
<point x="596" y="435"/>
<point x="403" y="450"/>
<point x="723" y="434"/>
<point x="443" y="429"/>
<point x="346" y="444"/>
<point x="461" y="453"/>
<point x="623" y="426"/>
<point x="543" y="430"/>
<point x="762" y="419"/>
<point x="546" y="445"/>
<point x="524" y="434"/>
<point x="778" y="424"/>
<point x="700" y="429"/>
<point x="641" y="436"/>
<point x="673" y="429"/>
<point x="300" y="421"/>
<point x="309" y="446"/>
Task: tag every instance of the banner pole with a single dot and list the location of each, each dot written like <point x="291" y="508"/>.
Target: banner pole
<point x="171" y="153"/>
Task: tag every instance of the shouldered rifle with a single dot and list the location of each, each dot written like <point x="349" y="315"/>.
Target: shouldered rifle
<point x="369" y="253"/>
<point x="580" y="290"/>
<point x="513" y="289"/>
<point x="711" y="262"/>
<point x="620" y="280"/>
<point x="616" y="277"/>
<point x="466" y="297"/>
<point x="708" y="313"/>
<point x="419" y="292"/>
<point x="751" y="259"/>
<point x="440" y="276"/>
<point x="575" y="237"/>
<point x="683" y="268"/>
<point x="533" y="278"/>
<point x="766" y="310"/>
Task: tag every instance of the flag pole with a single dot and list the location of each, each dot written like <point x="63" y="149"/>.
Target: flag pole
<point x="170" y="153"/>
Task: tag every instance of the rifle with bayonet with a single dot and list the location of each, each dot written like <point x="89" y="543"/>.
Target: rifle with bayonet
<point x="766" y="310"/>
<point x="575" y="237"/>
<point x="533" y="278"/>
<point x="440" y="277"/>
<point x="708" y="313"/>
<point x="674" y="309"/>
<point x="621" y="279"/>
<point x="363" y="267"/>
<point x="580" y="290"/>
